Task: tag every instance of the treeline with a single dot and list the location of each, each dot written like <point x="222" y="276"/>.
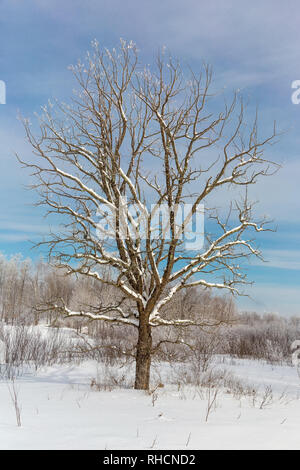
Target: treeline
<point x="25" y="285"/>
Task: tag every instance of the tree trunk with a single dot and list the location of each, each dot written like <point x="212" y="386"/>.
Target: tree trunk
<point x="143" y="356"/>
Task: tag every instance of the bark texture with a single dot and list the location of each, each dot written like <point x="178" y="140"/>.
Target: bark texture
<point x="143" y="356"/>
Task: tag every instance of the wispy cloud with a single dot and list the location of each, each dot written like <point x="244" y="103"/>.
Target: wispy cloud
<point x="14" y="237"/>
<point x="281" y="259"/>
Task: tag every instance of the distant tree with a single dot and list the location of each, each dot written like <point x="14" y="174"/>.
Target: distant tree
<point x="146" y="136"/>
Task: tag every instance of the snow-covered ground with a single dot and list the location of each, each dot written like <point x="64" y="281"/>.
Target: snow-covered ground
<point x="60" y="410"/>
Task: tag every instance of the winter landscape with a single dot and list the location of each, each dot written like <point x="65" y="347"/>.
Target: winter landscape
<point x="69" y="387"/>
<point x="241" y="404"/>
<point x="149" y="226"/>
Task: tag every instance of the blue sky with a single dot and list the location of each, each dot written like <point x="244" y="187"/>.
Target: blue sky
<point x="254" y="47"/>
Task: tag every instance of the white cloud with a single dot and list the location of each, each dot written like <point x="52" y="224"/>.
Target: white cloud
<point x="281" y="259"/>
<point x="14" y="237"/>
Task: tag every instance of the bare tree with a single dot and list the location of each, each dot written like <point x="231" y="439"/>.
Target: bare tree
<point x="139" y="136"/>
